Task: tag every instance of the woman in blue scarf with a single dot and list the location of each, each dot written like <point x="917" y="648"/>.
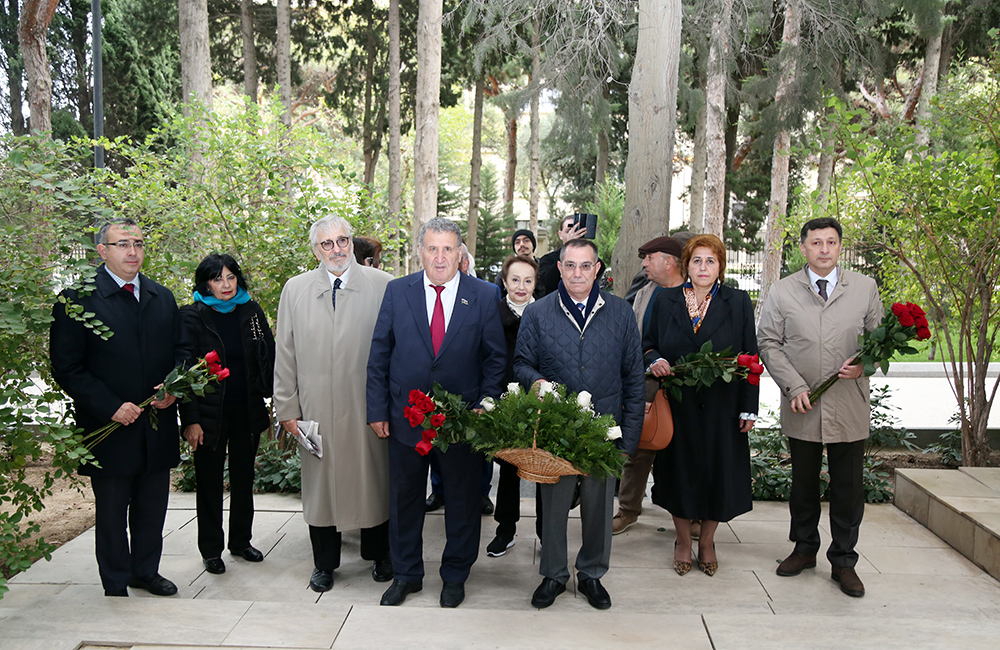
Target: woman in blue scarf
<point x="224" y="318"/>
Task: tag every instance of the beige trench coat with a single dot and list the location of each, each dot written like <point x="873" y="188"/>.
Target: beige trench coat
<point x="804" y="340"/>
<point x="320" y="374"/>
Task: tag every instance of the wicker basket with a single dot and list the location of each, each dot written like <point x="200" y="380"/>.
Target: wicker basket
<point x="537" y="465"/>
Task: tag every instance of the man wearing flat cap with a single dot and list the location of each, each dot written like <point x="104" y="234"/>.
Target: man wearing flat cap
<point x="661" y="260"/>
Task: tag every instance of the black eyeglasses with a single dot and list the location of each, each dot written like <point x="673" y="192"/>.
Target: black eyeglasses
<point x="123" y="245"/>
<point x="341" y="242"/>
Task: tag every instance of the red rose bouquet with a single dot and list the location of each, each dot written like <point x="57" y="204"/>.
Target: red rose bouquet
<point x="445" y="419"/>
<point x="901" y="323"/>
<point x="706" y="366"/>
<point x="181" y="383"/>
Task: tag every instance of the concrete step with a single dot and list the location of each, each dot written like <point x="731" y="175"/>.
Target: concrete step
<point x="961" y="506"/>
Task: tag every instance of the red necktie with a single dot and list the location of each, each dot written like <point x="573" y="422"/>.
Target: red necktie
<point x="128" y="286"/>
<point x="437" y="322"/>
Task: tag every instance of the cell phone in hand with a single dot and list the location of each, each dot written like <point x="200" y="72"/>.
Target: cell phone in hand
<point x="586" y="221"/>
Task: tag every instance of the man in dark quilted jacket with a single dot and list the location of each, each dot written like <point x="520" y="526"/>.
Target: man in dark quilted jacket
<point x="588" y="341"/>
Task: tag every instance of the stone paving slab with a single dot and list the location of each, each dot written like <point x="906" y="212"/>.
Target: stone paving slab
<point x="920" y="594"/>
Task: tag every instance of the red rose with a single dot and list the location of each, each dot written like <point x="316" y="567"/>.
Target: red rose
<point x="920" y="320"/>
<point x="743" y="361"/>
<point x="430" y="434"/>
<point x="755" y="358"/>
<point x="756" y="368"/>
<point x="214" y="368"/>
<point x="415" y="395"/>
<point x="923" y="333"/>
<point x="753" y="379"/>
<point x="415" y="417"/>
<point x="898" y="309"/>
<point x="222" y="374"/>
<point x="212" y="357"/>
<point x="424" y="447"/>
<point x="437" y="420"/>
<point x="915" y="310"/>
<point x="906" y="319"/>
<point x="425" y="404"/>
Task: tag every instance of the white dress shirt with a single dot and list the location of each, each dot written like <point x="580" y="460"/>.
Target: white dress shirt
<point x="121" y="283"/>
<point x="831" y="280"/>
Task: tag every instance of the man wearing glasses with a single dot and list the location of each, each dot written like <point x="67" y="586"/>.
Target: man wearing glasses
<point x="107" y="379"/>
<point x="325" y="321"/>
<point x="586" y="340"/>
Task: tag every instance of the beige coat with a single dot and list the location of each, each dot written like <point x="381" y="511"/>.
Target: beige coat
<point x="804" y="340"/>
<point x="319" y="374"/>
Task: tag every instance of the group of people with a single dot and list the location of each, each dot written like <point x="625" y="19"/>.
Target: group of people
<point x="353" y="342"/>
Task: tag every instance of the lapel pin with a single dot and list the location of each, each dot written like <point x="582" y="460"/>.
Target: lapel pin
<point x="464" y="301"/>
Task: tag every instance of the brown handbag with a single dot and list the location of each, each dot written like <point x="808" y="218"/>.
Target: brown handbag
<point x="658" y="425"/>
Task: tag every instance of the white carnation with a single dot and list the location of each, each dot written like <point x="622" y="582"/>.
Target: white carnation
<point x="583" y="399"/>
<point x="513" y="388"/>
<point x="546" y="387"/>
<point x="614" y="433"/>
<point x="488" y="404"/>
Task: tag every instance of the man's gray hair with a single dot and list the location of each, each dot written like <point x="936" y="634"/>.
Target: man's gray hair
<point x="330" y="222"/>
<point x="439" y="224"/>
<point x="102" y="233"/>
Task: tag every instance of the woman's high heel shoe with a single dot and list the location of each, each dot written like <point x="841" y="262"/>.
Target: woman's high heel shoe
<point x="681" y="567"/>
<point x="708" y="568"/>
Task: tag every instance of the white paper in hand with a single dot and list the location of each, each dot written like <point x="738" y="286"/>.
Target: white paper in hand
<point x="310" y="438"/>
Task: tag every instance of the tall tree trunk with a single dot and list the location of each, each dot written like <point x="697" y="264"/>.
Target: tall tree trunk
<point x="932" y="60"/>
<point x="651" y="123"/>
<point x="699" y="169"/>
<point x="196" y="60"/>
<point x="80" y="10"/>
<point x="368" y="146"/>
<point x="508" y="188"/>
<point x="32" y="28"/>
<point x="395" y="124"/>
<point x="774" y="234"/>
<point x="715" y="125"/>
<point x="284" y="56"/>
<point x="15" y="68"/>
<point x="249" y="50"/>
<point x="475" y="187"/>
<point x="425" y="151"/>
<point x="536" y="68"/>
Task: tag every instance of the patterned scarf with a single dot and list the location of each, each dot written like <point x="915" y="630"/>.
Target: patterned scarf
<point x="695" y="311"/>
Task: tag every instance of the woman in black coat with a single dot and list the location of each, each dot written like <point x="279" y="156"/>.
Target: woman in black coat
<point x="224" y="318"/>
<point x="520" y="276"/>
<point x="705" y="471"/>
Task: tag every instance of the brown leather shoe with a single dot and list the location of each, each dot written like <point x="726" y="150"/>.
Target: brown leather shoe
<point x="849" y="581"/>
<point x="620" y="523"/>
<point x="794" y="563"/>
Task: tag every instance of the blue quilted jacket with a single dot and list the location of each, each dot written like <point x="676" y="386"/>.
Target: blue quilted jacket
<point x="605" y="358"/>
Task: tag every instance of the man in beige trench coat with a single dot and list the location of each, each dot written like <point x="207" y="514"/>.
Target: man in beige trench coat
<point x="325" y="321"/>
<point x="808" y="331"/>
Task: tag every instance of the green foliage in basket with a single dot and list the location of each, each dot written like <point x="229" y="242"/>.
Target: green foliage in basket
<point x="566" y="424"/>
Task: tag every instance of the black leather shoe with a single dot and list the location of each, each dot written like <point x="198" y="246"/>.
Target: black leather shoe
<point x="215" y="565"/>
<point x="250" y="554"/>
<point x="546" y="593"/>
<point x="382" y="570"/>
<point x="154" y="584"/>
<point x="434" y="502"/>
<point x="452" y="594"/>
<point x="487" y="506"/>
<point x="116" y="592"/>
<point x="321" y="581"/>
<point x="595" y="592"/>
<point x="397" y="592"/>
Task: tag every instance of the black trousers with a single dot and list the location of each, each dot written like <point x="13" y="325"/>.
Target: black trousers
<point x="508" y="508"/>
<point x="236" y="437"/>
<point x="326" y="543"/>
<point x="130" y="511"/>
<point x="845" y="461"/>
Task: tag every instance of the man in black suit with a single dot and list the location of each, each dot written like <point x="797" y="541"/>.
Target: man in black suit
<point x="107" y="378"/>
<point x="436" y="325"/>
